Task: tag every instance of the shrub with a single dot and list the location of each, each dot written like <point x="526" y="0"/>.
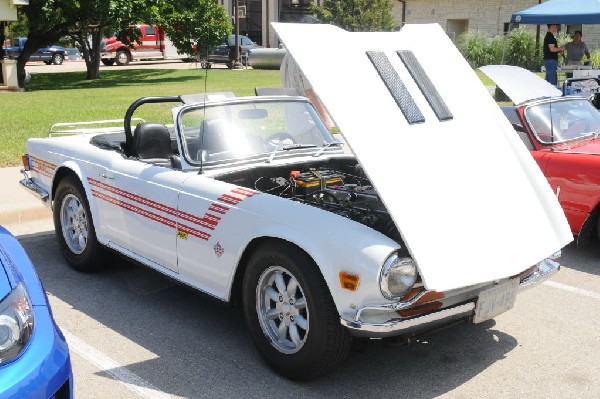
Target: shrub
<point x="596" y="58"/>
<point x="516" y="48"/>
<point x="520" y="49"/>
<point x="474" y="46"/>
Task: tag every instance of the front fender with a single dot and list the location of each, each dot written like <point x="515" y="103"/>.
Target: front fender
<point x="334" y="243"/>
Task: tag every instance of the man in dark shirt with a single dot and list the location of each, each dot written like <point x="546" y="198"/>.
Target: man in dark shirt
<point x="551" y="51"/>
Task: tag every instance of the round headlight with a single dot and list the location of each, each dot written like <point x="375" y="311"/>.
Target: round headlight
<point x="398" y="275"/>
<point x="9" y="332"/>
<point x="16" y="323"/>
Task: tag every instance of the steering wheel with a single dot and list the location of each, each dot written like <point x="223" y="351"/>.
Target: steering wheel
<point x="278" y="138"/>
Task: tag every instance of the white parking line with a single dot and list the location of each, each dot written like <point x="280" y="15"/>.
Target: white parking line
<point x="574" y="290"/>
<point x="108" y="365"/>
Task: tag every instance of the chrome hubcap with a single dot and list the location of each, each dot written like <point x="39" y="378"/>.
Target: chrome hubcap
<point x="74" y="222"/>
<point x="282" y="310"/>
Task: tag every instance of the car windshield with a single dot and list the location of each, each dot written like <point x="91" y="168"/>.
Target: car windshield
<point x="563" y="120"/>
<point x="250" y="129"/>
<point x="243" y="40"/>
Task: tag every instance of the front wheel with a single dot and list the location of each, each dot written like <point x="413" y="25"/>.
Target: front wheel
<point x="74" y="227"/>
<point x="290" y="313"/>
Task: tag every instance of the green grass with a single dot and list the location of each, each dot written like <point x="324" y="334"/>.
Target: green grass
<point x="68" y="97"/>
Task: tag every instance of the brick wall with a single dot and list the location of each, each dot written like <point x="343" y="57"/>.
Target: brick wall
<point x="486" y="16"/>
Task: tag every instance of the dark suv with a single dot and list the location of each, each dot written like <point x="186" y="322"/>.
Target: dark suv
<point x="224" y="53"/>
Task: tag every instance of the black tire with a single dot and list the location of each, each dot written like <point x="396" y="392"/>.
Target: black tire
<point x="77" y="239"/>
<point x="108" y="62"/>
<point x="57" y="58"/>
<point x="122" y="58"/>
<point x="322" y="343"/>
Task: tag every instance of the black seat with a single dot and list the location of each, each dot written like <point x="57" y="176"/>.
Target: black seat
<point x="152" y="144"/>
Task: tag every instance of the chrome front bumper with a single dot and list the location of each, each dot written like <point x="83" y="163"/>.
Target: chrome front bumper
<point x="34" y="188"/>
<point x="393" y="327"/>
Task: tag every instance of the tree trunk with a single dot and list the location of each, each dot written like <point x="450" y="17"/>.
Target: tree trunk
<point x="3" y="25"/>
<point x="30" y="47"/>
<point x="35" y="40"/>
<point x="92" y="61"/>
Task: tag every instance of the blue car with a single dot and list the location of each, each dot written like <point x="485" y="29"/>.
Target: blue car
<point x="34" y="356"/>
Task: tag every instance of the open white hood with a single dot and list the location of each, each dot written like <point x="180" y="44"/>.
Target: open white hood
<point x="519" y="84"/>
<point x="470" y="202"/>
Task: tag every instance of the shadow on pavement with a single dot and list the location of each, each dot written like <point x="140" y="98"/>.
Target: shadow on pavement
<point x="584" y="259"/>
<point x="204" y="349"/>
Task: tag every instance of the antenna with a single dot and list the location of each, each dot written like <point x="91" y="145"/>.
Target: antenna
<point x="201" y="131"/>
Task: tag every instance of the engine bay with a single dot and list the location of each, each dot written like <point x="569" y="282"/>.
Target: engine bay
<point x="338" y="186"/>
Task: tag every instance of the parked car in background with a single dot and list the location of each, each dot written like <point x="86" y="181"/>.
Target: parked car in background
<point x="224" y="52"/>
<point x="34" y="356"/>
<point x="50" y="55"/>
<point x="252" y="201"/>
<point x="74" y="54"/>
<point x="562" y="134"/>
<point x="152" y="44"/>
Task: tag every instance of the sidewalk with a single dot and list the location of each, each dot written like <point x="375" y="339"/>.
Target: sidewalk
<point x="16" y="204"/>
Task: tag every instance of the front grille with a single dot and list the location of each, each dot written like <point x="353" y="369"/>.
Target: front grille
<point x="64" y="392"/>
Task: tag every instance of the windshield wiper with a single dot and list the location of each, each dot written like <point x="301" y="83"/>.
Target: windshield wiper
<point x="287" y="147"/>
<point x="325" y="147"/>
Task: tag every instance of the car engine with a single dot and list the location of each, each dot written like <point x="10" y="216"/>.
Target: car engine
<point x="348" y="194"/>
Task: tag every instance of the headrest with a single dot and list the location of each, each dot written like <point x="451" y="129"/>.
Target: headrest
<point x="151" y="140"/>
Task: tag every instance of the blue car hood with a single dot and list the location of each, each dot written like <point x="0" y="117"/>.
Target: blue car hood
<point x="15" y="268"/>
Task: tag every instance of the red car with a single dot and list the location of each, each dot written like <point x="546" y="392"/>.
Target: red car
<point x="561" y="133"/>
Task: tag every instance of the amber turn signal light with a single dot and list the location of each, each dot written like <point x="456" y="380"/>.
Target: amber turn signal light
<point x="25" y="160"/>
<point x="349" y="281"/>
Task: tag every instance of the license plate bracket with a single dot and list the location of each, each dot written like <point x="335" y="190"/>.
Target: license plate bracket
<point x="496" y="300"/>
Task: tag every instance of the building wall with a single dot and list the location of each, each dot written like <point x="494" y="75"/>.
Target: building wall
<point x="487" y="16"/>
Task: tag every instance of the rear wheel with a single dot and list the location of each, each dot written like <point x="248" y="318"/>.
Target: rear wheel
<point x="122" y="58"/>
<point x="290" y="313"/>
<point x="57" y="59"/>
<point x="74" y="227"/>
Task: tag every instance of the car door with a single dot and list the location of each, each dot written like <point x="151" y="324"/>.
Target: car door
<point x="137" y="208"/>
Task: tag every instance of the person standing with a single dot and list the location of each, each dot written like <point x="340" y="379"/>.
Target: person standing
<point x="551" y="51"/>
<point x="576" y="49"/>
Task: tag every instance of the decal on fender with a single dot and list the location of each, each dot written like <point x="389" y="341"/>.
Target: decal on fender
<point x="182" y="234"/>
<point x="218" y="249"/>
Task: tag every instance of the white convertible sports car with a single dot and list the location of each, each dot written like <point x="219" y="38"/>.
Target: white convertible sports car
<point x="253" y="201"/>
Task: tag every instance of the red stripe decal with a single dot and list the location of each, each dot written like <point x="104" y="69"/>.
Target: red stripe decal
<point x="152" y="216"/>
<point x="209" y="220"/>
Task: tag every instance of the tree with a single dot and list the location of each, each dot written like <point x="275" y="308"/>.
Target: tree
<point x="357" y="15"/>
<point x="47" y="22"/>
<point x="96" y="19"/>
<point x="188" y="22"/>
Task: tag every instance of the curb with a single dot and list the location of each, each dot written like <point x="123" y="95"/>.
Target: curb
<point x="16" y="204"/>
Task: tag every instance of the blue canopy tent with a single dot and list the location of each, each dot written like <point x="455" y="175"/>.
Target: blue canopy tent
<point x="560" y="12"/>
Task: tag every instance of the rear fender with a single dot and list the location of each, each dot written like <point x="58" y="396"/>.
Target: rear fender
<point x="73" y="169"/>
